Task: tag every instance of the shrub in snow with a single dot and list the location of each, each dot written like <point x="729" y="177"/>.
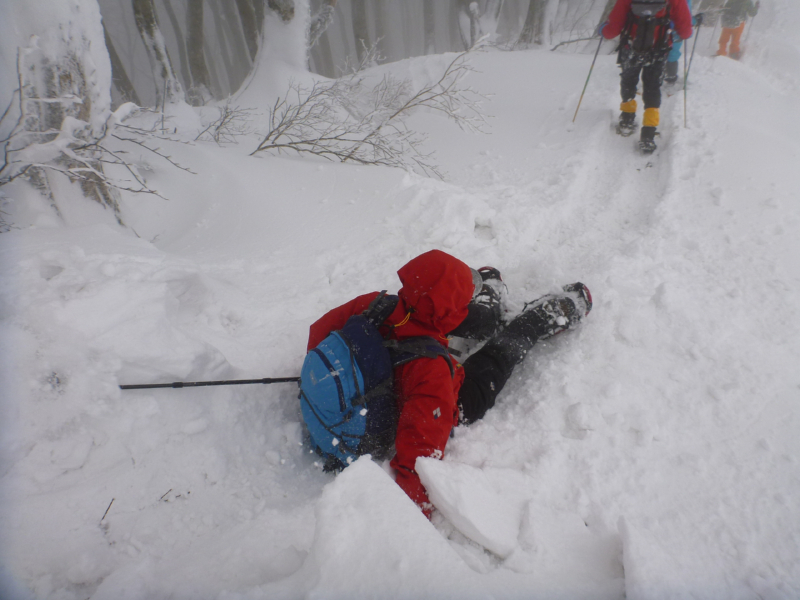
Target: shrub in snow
<point x="344" y="120"/>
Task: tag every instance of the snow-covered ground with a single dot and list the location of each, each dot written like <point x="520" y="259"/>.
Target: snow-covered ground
<point x="653" y="453"/>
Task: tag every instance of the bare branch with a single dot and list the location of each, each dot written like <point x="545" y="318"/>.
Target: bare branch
<point x="341" y="120"/>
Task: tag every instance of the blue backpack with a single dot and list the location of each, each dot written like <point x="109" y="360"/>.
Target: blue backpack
<point x="347" y="386"/>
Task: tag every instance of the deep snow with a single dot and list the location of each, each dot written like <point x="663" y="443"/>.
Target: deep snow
<point x="650" y="454"/>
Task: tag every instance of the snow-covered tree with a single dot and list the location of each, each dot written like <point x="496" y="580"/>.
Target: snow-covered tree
<point x="60" y="102"/>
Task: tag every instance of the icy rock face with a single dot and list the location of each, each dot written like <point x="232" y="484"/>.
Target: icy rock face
<point x="466" y="498"/>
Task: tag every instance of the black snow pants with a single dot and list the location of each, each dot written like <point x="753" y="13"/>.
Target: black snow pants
<point x="487" y="371"/>
<point x="650" y="66"/>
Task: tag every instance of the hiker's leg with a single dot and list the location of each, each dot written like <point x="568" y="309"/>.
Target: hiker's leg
<point x="724" y="38"/>
<point x="736" y="36"/>
<point x="487" y="371"/>
<point x="652" y="76"/>
<point x="629" y="80"/>
<point x="484" y="316"/>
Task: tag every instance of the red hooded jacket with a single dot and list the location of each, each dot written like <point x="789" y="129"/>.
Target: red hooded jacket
<point x="436" y="290"/>
<point x="679" y="14"/>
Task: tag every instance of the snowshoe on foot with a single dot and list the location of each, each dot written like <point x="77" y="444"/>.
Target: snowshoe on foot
<point x="627" y="124"/>
<point x="488" y="273"/>
<point x="647" y="142"/>
<point x="554" y="313"/>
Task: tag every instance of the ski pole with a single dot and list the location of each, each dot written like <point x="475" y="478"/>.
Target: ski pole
<point x="714" y="33"/>
<point x="685" y="72"/>
<point x="749" y="28"/>
<point x="587" y="78"/>
<point x="686" y="69"/>
<point x="182" y="384"/>
<point x="694" y="46"/>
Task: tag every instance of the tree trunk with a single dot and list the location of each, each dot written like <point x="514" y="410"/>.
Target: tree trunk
<point x="118" y="74"/>
<point x="532" y="30"/>
<point x="320" y="21"/>
<point x="430" y="27"/>
<point x="240" y="54"/>
<point x="284" y="8"/>
<point x="144" y="12"/>
<point x="360" y="29"/>
<point x="227" y="61"/>
<point x="185" y="74"/>
<point x="382" y="27"/>
<point x="199" y="92"/>
<point x="454" y="29"/>
<point x="258" y="9"/>
<point x="247" y="17"/>
<point x="56" y="82"/>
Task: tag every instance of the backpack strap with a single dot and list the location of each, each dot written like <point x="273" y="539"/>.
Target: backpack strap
<point x="404" y="351"/>
<point x="381" y="308"/>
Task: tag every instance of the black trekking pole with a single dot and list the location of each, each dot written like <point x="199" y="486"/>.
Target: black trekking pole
<point x="686" y="69"/>
<point x="182" y="384"/>
<point x="587" y="78"/>
<point x="749" y="29"/>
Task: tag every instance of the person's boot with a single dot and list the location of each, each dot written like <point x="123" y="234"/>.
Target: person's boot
<point x="671" y="72"/>
<point x="627" y="123"/>
<point x="485" y="312"/>
<point x="647" y="141"/>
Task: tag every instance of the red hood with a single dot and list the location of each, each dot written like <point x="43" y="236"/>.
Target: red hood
<point x="436" y="288"/>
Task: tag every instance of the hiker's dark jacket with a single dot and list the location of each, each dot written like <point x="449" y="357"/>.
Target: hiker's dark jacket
<point x="736" y="12"/>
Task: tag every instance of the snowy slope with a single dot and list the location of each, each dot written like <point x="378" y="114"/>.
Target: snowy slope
<point x="651" y="454"/>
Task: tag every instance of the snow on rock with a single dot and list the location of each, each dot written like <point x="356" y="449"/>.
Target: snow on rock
<point x="466" y="498"/>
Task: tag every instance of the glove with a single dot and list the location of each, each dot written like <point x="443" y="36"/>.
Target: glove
<point x="697" y="20"/>
<point x="599" y="30"/>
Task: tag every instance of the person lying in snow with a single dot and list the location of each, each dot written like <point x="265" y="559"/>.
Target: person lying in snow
<point x="442" y="297"/>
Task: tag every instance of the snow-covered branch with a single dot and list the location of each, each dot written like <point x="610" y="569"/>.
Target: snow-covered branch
<point x="345" y="121"/>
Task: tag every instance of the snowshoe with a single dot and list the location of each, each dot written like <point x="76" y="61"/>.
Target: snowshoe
<point x="627" y="124"/>
<point x="647" y="143"/>
<point x="556" y="313"/>
<point x="488" y="273"/>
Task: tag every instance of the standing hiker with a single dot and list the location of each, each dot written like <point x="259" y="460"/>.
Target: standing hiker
<point x="734" y="17"/>
<point x="645" y="29"/>
<point x="431" y="393"/>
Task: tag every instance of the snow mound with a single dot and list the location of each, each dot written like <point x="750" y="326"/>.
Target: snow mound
<point x="366" y="525"/>
<point x="466" y="498"/>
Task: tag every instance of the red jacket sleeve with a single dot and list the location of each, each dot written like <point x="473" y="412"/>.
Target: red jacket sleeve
<point x="617" y="19"/>
<point x="428" y="413"/>
<point x="682" y="18"/>
<point x="336" y="318"/>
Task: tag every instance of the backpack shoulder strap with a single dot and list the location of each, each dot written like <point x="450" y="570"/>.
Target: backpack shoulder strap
<point x="381" y="308"/>
<point x="404" y="351"/>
